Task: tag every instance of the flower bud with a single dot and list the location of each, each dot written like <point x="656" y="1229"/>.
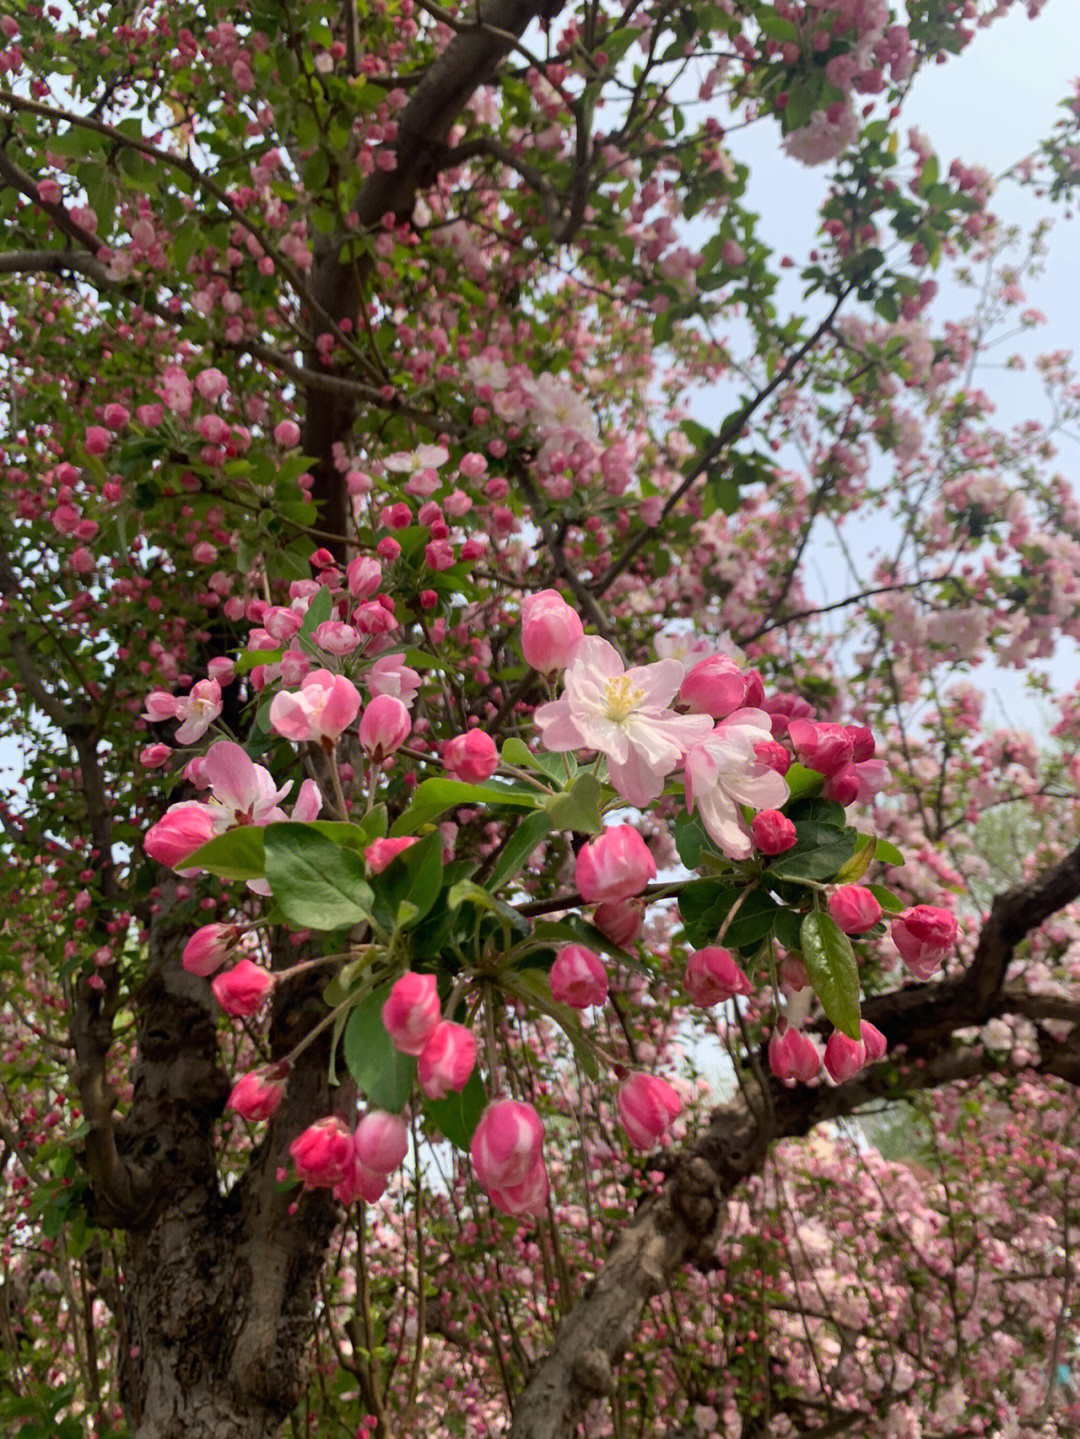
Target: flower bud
<point x="384" y="727"/>
<point x="619" y="920"/>
<point x="382" y="1141"/>
<point x="773" y="753"/>
<point x="360" y="1182"/>
<point x="843" y="786"/>
<point x="773" y="832"/>
<point x="854" y="908"/>
<point x="244" y="989"/>
<point x="874" y="1041"/>
<point x="713" y="976"/>
<point x="647" y="1106"/>
<point x="257" y="1094"/>
<point x="715" y="686"/>
<point x="550" y="631"/>
<point x="412" y="1011"/>
<point x="322" y="709"/>
<point x="844" y="1057"/>
<point x="578" y="977"/>
<point x="615" y="865"/>
<point x="924" y="936"/>
<point x="793" y="1056"/>
<point x="209" y="948"/>
<point x="825" y="748"/>
<point x="180" y="831"/>
<point x="323" y="1153"/>
<point x="528" y="1197"/>
<point x="364" y="576"/>
<point x="471" y="757"/>
<point x="506" y="1144"/>
<point x="447" y="1060"/>
<point x="381" y="852"/>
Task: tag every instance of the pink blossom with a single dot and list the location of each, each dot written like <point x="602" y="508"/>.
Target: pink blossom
<point x="257" y="1094"/>
<point x="615" y="865"/>
<point x="447" y="1060"/>
<point x="181" y="830"/>
<point x="713" y="976"/>
<point x="924" y="936"/>
<point x="287" y="434"/>
<point x="160" y="706"/>
<point x="624" y="715"/>
<point x="381" y="852"/>
<point x="844" y="1056"/>
<point x="242" y="792"/>
<point x="793" y="1056"/>
<point x="647" y="1106"/>
<point x="323" y="1153"/>
<point x="390" y="675"/>
<point x="411" y="1011"/>
<point x="874" y="1041"/>
<point x="308" y="804"/>
<point x="619" y="920"/>
<point x="723" y="772"/>
<point x="578" y="977"/>
<point x="198" y="711"/>
<point x="854" y="908"/>
<point x="826" y="748"/>
<point x="715" y="686"/>
<point x="384" y="726"/>
<point x="471" y="757"/>
<point x="209" y="948"/>
<point x="382" y="1141"/>
<point x="550" y="631"/>
<point x="528" y="1197"/>
<point x="506" y="1145"/>
<point x="153" y="756"/>
<point x="336" y="637"/>
<point x="320" y="711"/>
<point x="363" y="576"/>
<point x="773" y="832"/>
<point x="244" y="989"/>
<point x="97" y="440"/>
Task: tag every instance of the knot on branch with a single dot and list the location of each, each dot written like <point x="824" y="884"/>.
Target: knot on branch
<point x="591" y="1373"/>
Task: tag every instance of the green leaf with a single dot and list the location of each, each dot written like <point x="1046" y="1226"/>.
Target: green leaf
<point x="436" y="796"/>
<point x="236" y="854"/>
<point x="830" y="963"/>
<point x="775" y="27"/>
<point x="820" y="852"/>
<point x="691" y="839"/>
<point x="706" y="904"/>
<point x="802" y="781"/>
<point x="354" y="836"/>
<point x="412" y="880"/>
<point x="578" y="808"/>
<point x="457" y="1116"/>
<point x="854" y="868"/>
<point x="382" y="1072"/>
<point x="526" y="836"/>
<point x="318" y="884"/>
<point x="249" y="659"/>
<point x="891" y="903"/>
<point x="888" y="854"/>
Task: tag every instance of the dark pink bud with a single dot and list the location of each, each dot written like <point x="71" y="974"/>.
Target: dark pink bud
<point x="244" y="989"/>
<point x="713" y="976"/>
<point x="874" y="1041"/>
<point x="381" y="852"/>
<point x="506" y="1144"/>
<point x="257" y="1094"/>
<point x="620" y="920"/>
<point x="793" y="1057"/>
<point x="843" y="786"/>
<point x="412" y="1011"/>
<point x="715" y="686"/>
<point x="854" y="908"/>
<point x="773" y="832"/>
<point x="209" y="948"/>
<point x="181" y="830"/>
<point x="528" y="1197"/>
<point x="825" y="748"/>
<point x="384" y="726"/>
<point x="323" y="1153"/>
<point x="471" y="757"/>
<point x="844" y="1057"/>
<point x="773" y="753"/>
<point x="924" y="936"/>
<point x="578" y="977"/>
<point x="615" y="865"/>
<point x="382" y="1141"/>
<point x="647" y="1106"/>
<point x="447" y="1060"/>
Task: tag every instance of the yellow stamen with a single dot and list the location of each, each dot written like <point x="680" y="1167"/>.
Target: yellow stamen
<point x="622" y="698"/>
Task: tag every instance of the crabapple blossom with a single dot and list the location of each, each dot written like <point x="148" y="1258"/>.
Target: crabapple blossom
<point x="447" y="1059"/>
<point x="844" y="1056"/>
<point x="381" y="852"/>
<point x="209" y="948"/>
<point x="181" y="830"/>
<point x="625" y="715"/>
<point x="323" y="1153"/>
<point x="320" y="711"/>
<point x="874" y="1042"/>
<point x="382" y="1141"/>
<point x="411" y="1011"/>
<point x="244" y="989"/>
<point x="854" y="908"/>
<point x="198" y="711"/>
<point x="647" y="1106"/>
<point x="793" y="1056"/>
<point x="924" y="936"/>
<point x="257" y="1094"/>
<point x="715" y="686"/>
<point x="550" y="631"/>
<point x="506" y="1144"/>
<point x="619" y="920"/>
<point x="723" y="773"/>
<point x="773" y="832"/>
<point x="384" y="726"/>
<point x="615" y="865"/>
<point x="578" y="977"/>
<point x="713" y="976"/>
<point x="471" y="757"/>
<point x="390" y="675"/>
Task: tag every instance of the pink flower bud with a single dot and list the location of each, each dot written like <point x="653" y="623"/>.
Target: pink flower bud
<point x="528" y="1197"/>
<point x="381" y="852"/>
<point x="471" y="757"/>
<point x="244" y="989"/>
<point x="323" y="1153"/>
<point x="793" y="975"/>
<point x="863" y="743"/>
<point x="364" y="577"/>
<point x="382" y="1141"/>
<point x="181" y="830"/>
<point x="620" y="920"/>
<point x="647" y="1106"/>
<point x="390" y="675"/>
<point x="826" y="748"/>
<point x="97" y="440"/>
<point x="160" y="705"/>
<point x="287" y="434"/>
<point x="550" y="631"/>
<point x="446" y="1060"/>
<point x="843" y="786"/>
<point x="793" y="1056"/>
<point x="412" y="1011"/>
<point x="578" y="977"/>
<point x="715" y="686"/>
<point x="153" y="756"/>
<point x="258" y="1093"/>
<point x="924" y="936"/>
<point x="713" y="976"/>
<point x="209" y="948"/>
<point x="854" y="908"/>
<point x="321" y="710"/>
<point x="384" y="726"/>
<point x="336" y="637"/>
<point x="874" y="1041"/>
<point x="844" y="1057"/>
<point x="506" y="1144"/>
<point x="773" y="832"/>
<point x="773" y="753"/>
<point x="615" y="865"/>
<point x="360" y="1182"/>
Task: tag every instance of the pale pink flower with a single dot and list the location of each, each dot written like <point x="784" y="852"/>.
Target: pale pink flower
<point x="198" y="711"/>
<point x="624" y="715"/>
<point x="723" y="773"/>
<point x="321" y="710"/>
<point x="446" y="1060"/>
<point x="390" y="675"/>
<point x="242" y="792"/>
<point x="424" y="457"/>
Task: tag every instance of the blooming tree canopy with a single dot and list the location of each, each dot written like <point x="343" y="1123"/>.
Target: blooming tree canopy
<point x="461" y="879"/>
